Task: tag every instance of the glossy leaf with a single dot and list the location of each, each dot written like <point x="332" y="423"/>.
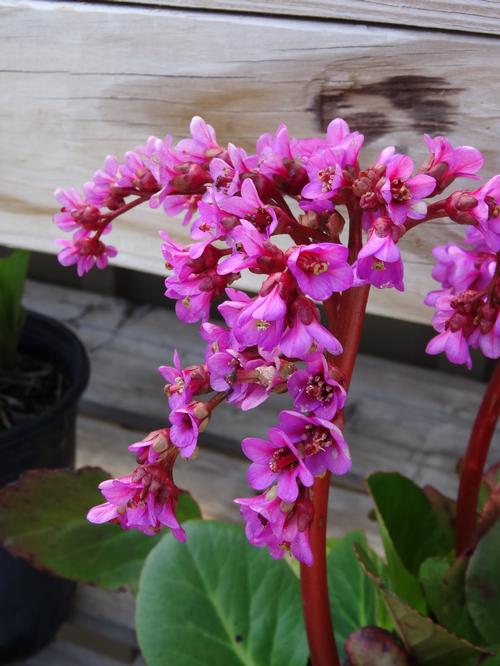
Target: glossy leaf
<point x="43" y="519"/>
<point x="428" y="643"/>
<point x="218" y="600"/>
<point x="409" y="518"/>
<point x="355" y="600"/>
<point x="444" y="586"/>
<point x="483" y="586"/>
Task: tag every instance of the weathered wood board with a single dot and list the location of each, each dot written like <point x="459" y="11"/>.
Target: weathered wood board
<point x="476" y="16"/>
<point x="400" y="417"/>
<point x="80" y="80"/>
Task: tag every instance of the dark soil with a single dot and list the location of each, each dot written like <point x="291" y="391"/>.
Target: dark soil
<point x="32" y="387"/>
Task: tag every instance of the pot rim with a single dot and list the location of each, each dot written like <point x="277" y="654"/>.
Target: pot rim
<point x="78" y="380"/>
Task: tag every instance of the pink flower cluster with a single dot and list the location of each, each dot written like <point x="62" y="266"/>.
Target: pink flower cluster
<point x="237" y="205"/>
<point x="468" y="306"/>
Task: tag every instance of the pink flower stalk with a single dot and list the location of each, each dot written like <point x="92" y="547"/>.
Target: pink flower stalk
<point x="276" y="460"/>
<point x="146" y="499"/>
<point x="316" y="389"/>
<point x="445" y="163"/>
<point x="85" y="253"/>
<point x="321" y="269"/>
<point x="319" y="441"/>
<point x="379" y="260"/>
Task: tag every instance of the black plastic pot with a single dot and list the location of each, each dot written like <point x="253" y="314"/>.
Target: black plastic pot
<point x="33" y="603"/>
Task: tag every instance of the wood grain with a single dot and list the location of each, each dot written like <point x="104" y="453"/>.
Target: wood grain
<point x="78" y="81"/>
<point x="475" y="16"/>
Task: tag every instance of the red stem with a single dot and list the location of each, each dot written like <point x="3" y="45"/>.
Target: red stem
<point x="473" y="465"/>
<point x="120" y="211"/>
<point x="345" y="317"/>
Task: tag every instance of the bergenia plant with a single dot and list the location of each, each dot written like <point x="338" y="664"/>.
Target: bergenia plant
<point x="340" y="224"/>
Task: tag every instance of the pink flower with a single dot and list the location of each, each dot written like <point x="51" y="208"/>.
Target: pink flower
<point x="186" y="425"/>
<point x="338" y="135"/>
<point x="446" y="163"/>
<point x="325" y="174"/>
<point x="402" y="193"/>
<point x="272" y="523"/>
<point x="305" y="331"/>
<point x="251" y="207"/>
<point x="487" y="212"/>
<point x="320" y="269"/>
<point x="454" y="344"/>
<point x="277" y="161"/>
<point x="76" y="212"/>
<point x="85" y="253"/>
<point x="261" y="321"/>
<point x="320" y="442"/>
<point x="316" y="389"/>
<point x="202" y="144"/>
<point x="184" y="384"/>
<point x="251" y="250"/>
<point x="228" y="172"/>
<point x="249" y="378"/>
<point x="379" y="260"/>
<point x="276" y="460"/>
<point x="146" y="499"/>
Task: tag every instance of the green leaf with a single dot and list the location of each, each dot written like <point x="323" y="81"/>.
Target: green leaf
<point x="444" y="586"/>
<point x="483" y="586"/>
<point x="43" y="519"/>
<point x="373" y="646"/>
<point x="444" y="509"/>
<point x="218" y="600"/>
<point x="13" y="270"/>
<point x="409" y="518"/>
<point x="428" y="643"/>
<point x="355" y="600"/>
<point x="413" y="528"/>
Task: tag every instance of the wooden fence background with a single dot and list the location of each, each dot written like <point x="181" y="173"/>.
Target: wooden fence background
<point x="80" y="80"/>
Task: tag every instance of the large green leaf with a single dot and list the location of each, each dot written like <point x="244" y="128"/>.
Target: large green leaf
<point x="13" y="270"/>
<point x="444" y="586"/>
<point x="218" y="600"/>
<point x="483" y="586"/>
<point x="428" y="643"/>
<point x="43" y="519"/>
<point x="355" y="600"/>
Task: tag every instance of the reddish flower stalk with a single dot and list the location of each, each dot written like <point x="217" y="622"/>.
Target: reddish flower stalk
<point x="473" y="465"/>
<point x="346" y="320"/>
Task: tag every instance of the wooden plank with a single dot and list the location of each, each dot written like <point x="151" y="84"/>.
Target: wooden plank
<point x="72" y="93"/>
<point x="400" y="417"/>
<point x="475" y="16"/>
